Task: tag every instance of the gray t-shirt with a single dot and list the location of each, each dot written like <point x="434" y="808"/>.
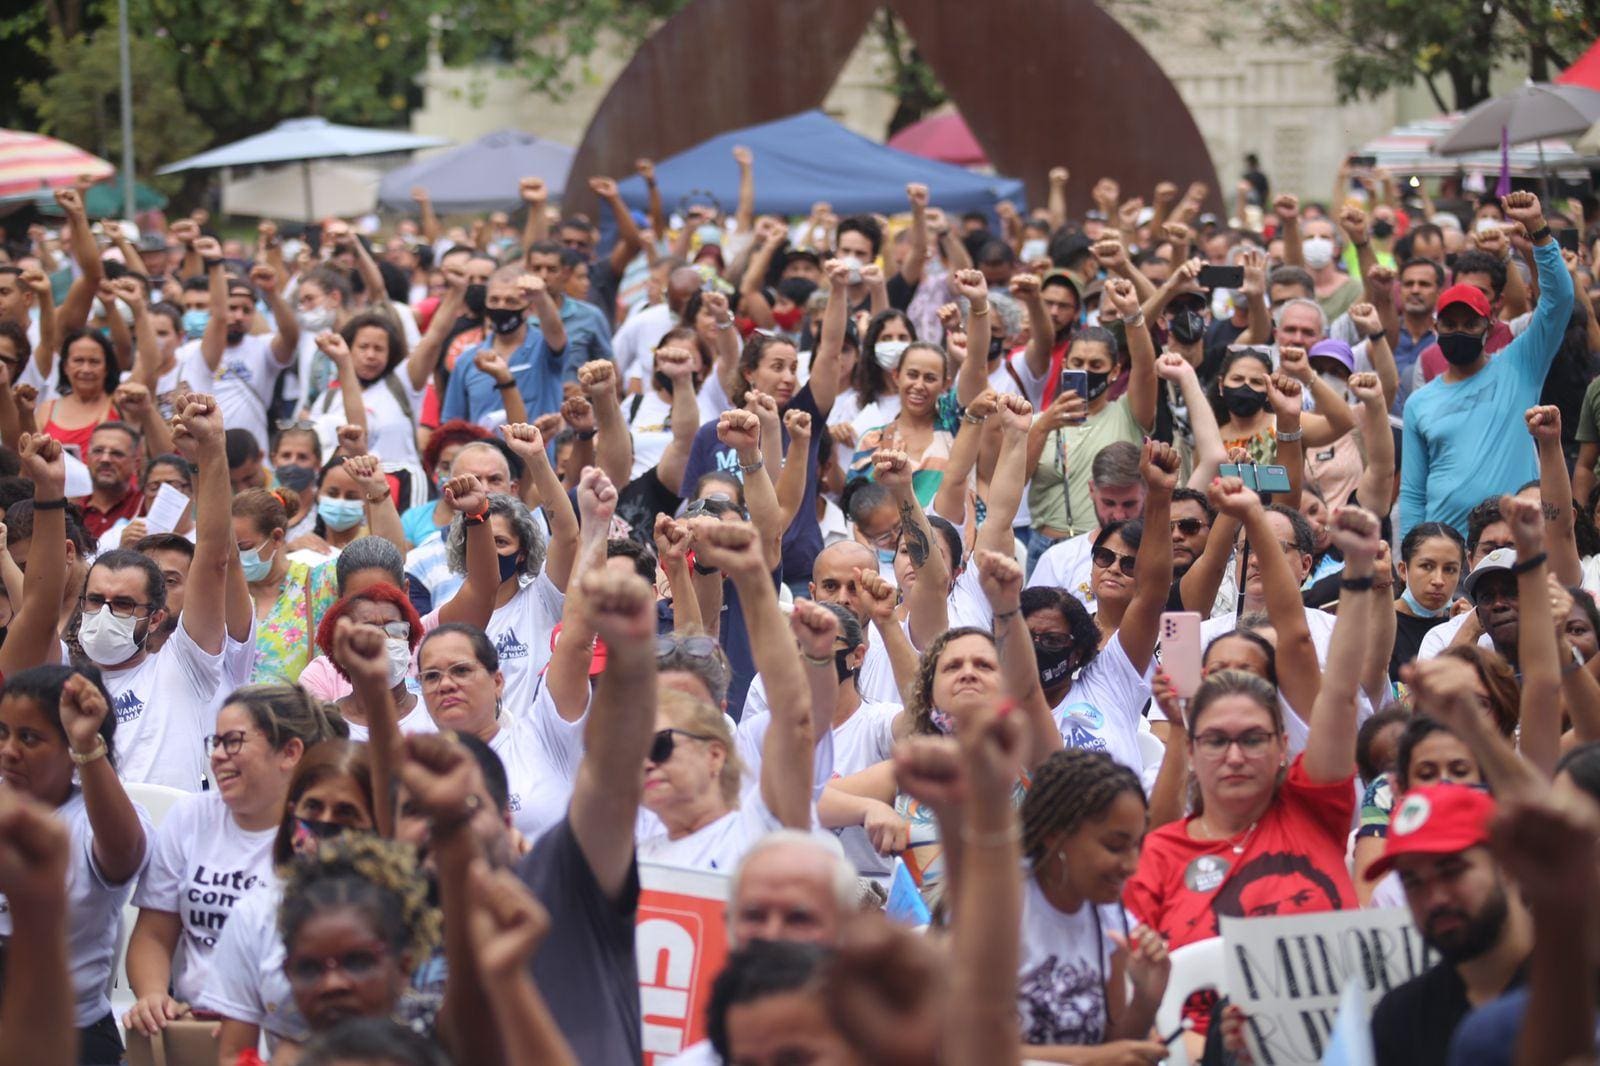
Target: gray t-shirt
<point x="585" y="969"/>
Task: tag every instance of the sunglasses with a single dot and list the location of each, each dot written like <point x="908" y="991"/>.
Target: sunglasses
<point x="1105" y="559"/>
<point x="716" y="505"/>
<point x="662" y="744"/>
<point x="1188" y="526"/>
<point x="695" y="647"/>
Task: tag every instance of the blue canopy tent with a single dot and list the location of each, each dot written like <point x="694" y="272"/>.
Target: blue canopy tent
<point x="481" y="176"/>
<point x="809" y="157"/>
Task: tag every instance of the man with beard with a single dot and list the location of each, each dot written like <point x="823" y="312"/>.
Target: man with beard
<point x="1438" y="841"/>
<point x="114" y="455"/>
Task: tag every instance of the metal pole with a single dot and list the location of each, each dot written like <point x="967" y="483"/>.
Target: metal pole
<point x="127" y="111"/>
<point x="305" y="185"/>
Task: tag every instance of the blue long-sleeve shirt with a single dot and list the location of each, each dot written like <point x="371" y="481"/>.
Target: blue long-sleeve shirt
<point x="1465" y="441"/>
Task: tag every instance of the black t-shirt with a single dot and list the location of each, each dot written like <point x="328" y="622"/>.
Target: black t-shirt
<point x="585" y="968"/>
<point x="901" y="291"/>
<point x="1411" y="1026"/>
<point x="1408" y="633"/>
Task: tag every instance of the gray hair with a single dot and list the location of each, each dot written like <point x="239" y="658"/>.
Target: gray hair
<point x="1301" y="301"/>
<point x="716" y="671"/>
<point x="514" y="511"/>
<point x="827" y="849"/>
<point x="370" y="553"/>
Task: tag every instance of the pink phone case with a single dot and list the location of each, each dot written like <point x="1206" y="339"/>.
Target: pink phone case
<point x="1180" y="650"/>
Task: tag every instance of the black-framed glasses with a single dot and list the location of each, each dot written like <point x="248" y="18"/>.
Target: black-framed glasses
<point x="121" y="606"/>
<point x="303" y="971"/>
<point x="1188" y="526"/>
<point x="697" y="646"/>
<point x="230" y="742"/>
<point x="1105" y="559"/>
<point x="1052" y="641"/>
<point x="460" y="673"/>
<point x="662" y="744"/>
<point x="1252" y="742"/>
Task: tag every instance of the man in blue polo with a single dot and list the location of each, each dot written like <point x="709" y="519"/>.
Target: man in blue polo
<point x="588" y="335"/>
<point x="533" y="356"/>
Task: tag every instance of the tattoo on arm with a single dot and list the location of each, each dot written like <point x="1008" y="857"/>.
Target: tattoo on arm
<point x="916" y="539"/>
<point x="1551" y="512"/>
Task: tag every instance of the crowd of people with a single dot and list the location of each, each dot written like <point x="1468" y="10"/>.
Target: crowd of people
<point x="452" y="572"/>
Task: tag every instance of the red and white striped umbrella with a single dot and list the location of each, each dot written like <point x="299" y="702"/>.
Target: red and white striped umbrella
<point x="31" y="161"/>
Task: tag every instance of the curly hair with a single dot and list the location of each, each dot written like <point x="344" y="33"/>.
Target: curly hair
<point x="517" y="515"/>
<point x="389" y="326"/>
<point x="1081" y="630"/>
<point x="369" y="874"/>
<point x="749" y="359"/>
<point x="379" y="593"/>
<point x="920" y="703"/>
<point x="1069" y="788"/>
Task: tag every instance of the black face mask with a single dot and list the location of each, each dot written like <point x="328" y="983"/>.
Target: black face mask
<point x="1382" y="228"/>
<point x="1460" y="349"/>
<point x="477" y="295"/>
<point x="505" y="320"/>
<point x="1098" y="383"/>
<point x="1054" y="663"/>
<point x="1188" y="326"/>
<point x="1242" y="401"/>
<point x="843" y="671"/>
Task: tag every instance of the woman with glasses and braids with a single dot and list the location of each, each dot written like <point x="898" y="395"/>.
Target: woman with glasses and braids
<point x="56" y="745"/>
<point x="1082" y="825"/>
<point x="1268" y="833"/>
<point x="215" y="846"/>
<point x="330" y="794"/>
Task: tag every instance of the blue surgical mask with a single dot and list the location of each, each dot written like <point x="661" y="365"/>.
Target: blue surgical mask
<point x="340" y="515"/>
<point x="1418" y="609"/>
<point x="886" y="556"/>
<point x="255" y="567"/>
<point x="194" y="323"/>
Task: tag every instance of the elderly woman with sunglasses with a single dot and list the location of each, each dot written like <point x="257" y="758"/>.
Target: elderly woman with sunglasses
<point x="215" y="846"/>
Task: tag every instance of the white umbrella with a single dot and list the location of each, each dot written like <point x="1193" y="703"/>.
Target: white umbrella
<point x="336" y="188"/>
<point x="1531" y="113"/>
<point x="303" y="139"/>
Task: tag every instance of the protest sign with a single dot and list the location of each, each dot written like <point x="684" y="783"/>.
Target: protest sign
<point x="680" y="943"/>
<point x="1288" y="973"/>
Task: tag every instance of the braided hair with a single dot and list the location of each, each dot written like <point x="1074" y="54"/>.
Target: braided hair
<point x="375" y="876"/>
<point x="1070" y="788"/>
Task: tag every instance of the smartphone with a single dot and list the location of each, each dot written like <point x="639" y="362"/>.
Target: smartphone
<point x="1272" y="478"/>
<point x="1363" y="162"/>
<point x="1221" y="277"/>
<point x="1075" y="381"/>
<point x="1245" y="472"/>
<point x="1180" y="650"/>
<point x="1568" y="239"/>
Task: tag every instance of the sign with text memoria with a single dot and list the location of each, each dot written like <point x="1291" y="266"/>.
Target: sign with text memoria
<point x="680" y="941"/>
<point x="1288" y="973"/>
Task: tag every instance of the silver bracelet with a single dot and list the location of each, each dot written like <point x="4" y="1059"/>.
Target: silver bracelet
<point x="752" y="468"/>
<point x="1135" y="322"/>
<point x="1289" y="438"/>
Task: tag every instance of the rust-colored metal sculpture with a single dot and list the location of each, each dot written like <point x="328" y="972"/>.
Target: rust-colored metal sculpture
<point x="1042" y="83"/>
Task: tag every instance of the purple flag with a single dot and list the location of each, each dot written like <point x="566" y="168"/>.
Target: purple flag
<point x="1503" y="186"/>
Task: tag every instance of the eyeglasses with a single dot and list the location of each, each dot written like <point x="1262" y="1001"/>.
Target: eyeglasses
<point x="108" y="451"/>
<point x="1052" y="641"/>
<point x="291" y="423"/>
<point x="359" y="964"/>
<point x="457" y="672"/>
<point x="1252" y="742"/>
<point x="230" y="742"/>
<point x="1188" y="526"/>
<point x="121" y="606"/>
<point x="716" y="505"/>
<point x="888" y="539"/>
<point x="661" y="745"/>
<point x="1105" y="559"/>
<point x="397" y="630"/>
<point x="695" y="647"/>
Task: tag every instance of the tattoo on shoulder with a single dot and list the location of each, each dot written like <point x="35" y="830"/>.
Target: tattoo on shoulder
<point x="916" y="540"/>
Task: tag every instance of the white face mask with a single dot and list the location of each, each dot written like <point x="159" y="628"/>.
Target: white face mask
<point x="317" y="319"/>
<point x="888" y="353"/>
<point x="107" y="639"/>
<point x="1318" y="252"/>
<point x="1037" y="248"/>
<point x="854" y="266"/>
<point x="399" y="652"/>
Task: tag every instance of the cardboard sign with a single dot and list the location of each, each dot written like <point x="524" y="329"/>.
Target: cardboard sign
<point x="1288" y="973"/>
<point x="681" y="941"/>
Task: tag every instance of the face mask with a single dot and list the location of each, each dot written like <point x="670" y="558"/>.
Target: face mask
<point x="788" y="320"/>
<point x="942" y="721"/>
<point x="505" y="320"/>
<point x="1188" y="326"/>
<point x="1318" y="251"/>
<point x="309" y="833"/>
<point x="295" y="478"/>
<point x="854" y="266"/>
<point x="194" y="323"/>
<point x="709" y="235"/>
<point x="475" y="297"/>
<point x="510" y="565"/>
<point x="315" y="320"/>
<point x="1417" y="608"/>
<point x="1485" y="224"/>
<point x="1460" y="349"/>
<point x="340" y="515"/>
<point x="840" y="669"/>
<point x="1382" y="228"/>
<point x="1054" y="663"/>
<point x="888" y="353"/>
<point x="254" y="566"/>
<point x="886" y="556"/>
<point x="107" y="639"/>
<point x="1099" y="382"/>
<point x="1242" y="401"/>
<point x="399" y="652"/>
<point x="1037" y="248"/>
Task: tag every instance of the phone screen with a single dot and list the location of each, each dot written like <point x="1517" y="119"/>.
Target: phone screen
<point x="1221" y="277"/>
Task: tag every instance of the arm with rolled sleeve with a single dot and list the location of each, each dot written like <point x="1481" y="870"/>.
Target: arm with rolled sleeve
<point x="1413" y="472"/>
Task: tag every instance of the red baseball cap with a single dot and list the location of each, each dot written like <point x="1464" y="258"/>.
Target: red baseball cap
<point x="597" y="660"/>
<point x="1470" y="295"/>
<point x="1435" y="820"/>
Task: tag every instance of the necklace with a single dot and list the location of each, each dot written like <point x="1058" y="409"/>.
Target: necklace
<point x="1238" y="845"/>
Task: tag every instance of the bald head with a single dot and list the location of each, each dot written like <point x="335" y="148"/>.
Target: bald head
<point x="833" y="575"/>
<point x="681" y="284"/>
<point x="791" y="886"/>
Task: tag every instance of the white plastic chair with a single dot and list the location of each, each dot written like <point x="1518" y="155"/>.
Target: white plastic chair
<point x="157" y="801"/>
<point x="1194" y="967"/>
<point x="1152" y="749"/>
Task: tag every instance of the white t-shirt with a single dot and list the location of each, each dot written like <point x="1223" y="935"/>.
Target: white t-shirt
<point x="966" y="604"/>
<point x="243" y="382"/>
<point x="541" y="752"/>
<point x="521" y="634"/>
<point x="165" y="706"/>
<point x="1102" y="709"/>
<point x="416" y="720"/>
<point x="876" y="683"/>
<point x="201" y="866"/>
<point x="635" y="341"/>
<point x="650" y="420"/>
<point x="1437" y="639"/>
<point x="718" y="846"/>
<point x="1066" y="564"/>
<point x="93" y="905"/>
<point x="391" y="434"/>
<point x="1064" y="969"/>
<point x="247" y="981"/>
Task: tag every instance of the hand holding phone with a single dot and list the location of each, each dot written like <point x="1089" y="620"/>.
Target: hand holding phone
<point x="1180" y="651"/>
<point x="1221" y="277"/>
